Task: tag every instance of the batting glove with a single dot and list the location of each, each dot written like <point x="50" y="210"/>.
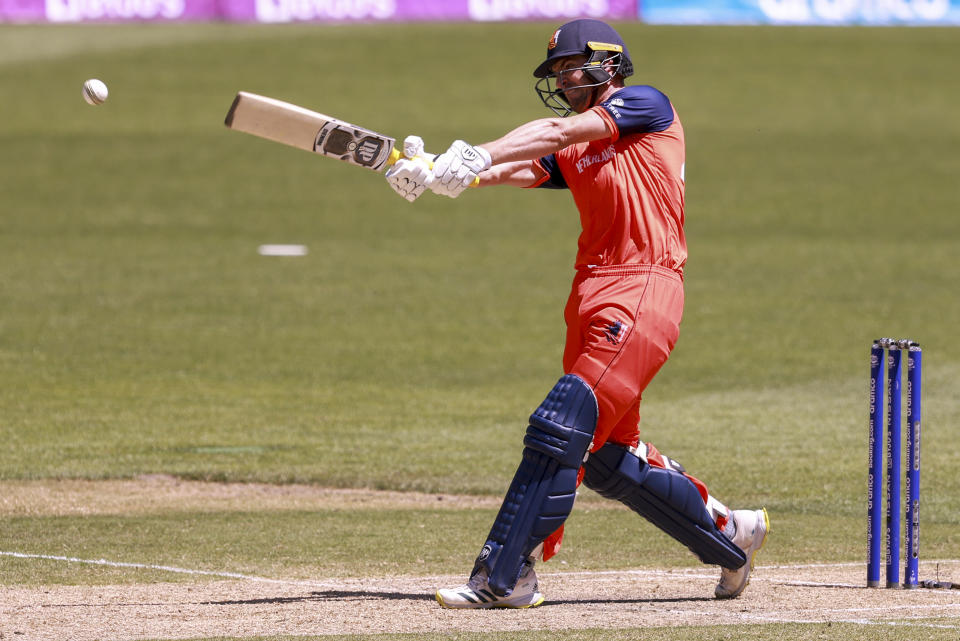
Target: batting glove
<point x="457" y="168"/>
<point x="411" y="175"/>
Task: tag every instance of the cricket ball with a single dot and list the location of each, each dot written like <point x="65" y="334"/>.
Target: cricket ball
<point x="95" y="92"/>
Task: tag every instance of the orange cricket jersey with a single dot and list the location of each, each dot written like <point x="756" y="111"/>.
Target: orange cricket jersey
<point x="629" y="188"/>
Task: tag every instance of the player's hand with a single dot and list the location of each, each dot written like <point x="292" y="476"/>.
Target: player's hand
<point x="457" y="168"/>
<point x="411" y="175"/>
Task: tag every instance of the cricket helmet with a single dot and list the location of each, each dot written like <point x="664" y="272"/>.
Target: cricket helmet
<point x="592" y="38"/>
<point x="596" y="40"/>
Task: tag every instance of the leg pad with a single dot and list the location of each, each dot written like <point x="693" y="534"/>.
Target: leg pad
<point x="541" y="495"/>
<point x="666" y="498"/>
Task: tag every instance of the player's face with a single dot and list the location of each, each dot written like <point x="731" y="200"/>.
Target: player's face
<point x="570" y="80"/>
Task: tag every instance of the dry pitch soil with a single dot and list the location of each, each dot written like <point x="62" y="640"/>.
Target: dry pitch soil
<point x="260" y="606"/>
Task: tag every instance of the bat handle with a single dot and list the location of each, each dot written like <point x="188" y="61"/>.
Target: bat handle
<point x="396" y="154"/>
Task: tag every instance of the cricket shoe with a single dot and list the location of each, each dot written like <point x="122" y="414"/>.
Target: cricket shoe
<point x="476" y="594"/>
<point x="752" y="529"/>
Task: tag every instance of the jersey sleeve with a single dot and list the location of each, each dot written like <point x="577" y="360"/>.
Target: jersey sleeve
<point x="554" y="178"/>
<point x="636" y="110"/>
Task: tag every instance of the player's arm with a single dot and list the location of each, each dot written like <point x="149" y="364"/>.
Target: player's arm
<point x="520" y="173"/>
<point x="518" y="150"/>
<point x="513" y="156"/>
<point x="539" y="138"/>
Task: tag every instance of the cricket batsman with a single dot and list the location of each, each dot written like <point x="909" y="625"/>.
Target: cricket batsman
<point x="619" y="150"/>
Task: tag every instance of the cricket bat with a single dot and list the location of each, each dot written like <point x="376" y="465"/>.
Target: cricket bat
<point x="293" y="125"/>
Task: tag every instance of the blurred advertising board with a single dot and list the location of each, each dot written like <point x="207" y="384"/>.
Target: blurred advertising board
<point x="802" y="12"/>
<point x="274" y="11"/>
<point x="105" y="10"/>
<point x="480" y="10"/>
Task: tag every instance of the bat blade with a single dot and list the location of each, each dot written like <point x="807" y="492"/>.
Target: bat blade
<point x="296" y="126"/>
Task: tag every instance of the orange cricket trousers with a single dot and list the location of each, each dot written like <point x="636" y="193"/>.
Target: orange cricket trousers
<point x="622" y="323"/>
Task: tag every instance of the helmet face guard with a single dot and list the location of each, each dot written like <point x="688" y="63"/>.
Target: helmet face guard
<point x="596" y="68"/>
<point x="605" y="52"/>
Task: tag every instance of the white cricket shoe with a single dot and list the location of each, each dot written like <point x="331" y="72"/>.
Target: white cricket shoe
<point x="477" y="593"/>
<point x="752" y="529"/>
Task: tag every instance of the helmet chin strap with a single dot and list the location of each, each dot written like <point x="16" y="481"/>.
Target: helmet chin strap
<point x="596" y="92"/>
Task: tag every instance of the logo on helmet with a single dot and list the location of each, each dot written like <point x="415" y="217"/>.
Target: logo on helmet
<point x="553" y="41"/>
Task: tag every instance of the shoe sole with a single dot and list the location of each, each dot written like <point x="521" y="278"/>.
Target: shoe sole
<point x="753" y="556"/>
<point x="489" y="606"/>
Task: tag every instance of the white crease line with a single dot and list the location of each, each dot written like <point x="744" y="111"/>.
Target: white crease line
<point x="166" y="568"/>
<point x="690" y="573"/>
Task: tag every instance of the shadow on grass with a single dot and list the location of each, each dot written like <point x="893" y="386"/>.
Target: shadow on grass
<point x="331" y="595"/>
<point x="366" y="595"/>
<point x="636" y="601"/>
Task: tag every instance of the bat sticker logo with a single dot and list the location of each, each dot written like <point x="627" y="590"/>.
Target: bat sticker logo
<point x="368" y="150"/>
<point x="345" y="142"/>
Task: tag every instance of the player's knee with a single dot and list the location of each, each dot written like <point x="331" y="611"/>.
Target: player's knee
<point x="562" y="427"/>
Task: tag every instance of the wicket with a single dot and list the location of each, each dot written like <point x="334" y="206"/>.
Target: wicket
<point x="894" y="349"/>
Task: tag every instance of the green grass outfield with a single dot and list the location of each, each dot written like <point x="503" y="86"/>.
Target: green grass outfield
<point x="141" y="333"/>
